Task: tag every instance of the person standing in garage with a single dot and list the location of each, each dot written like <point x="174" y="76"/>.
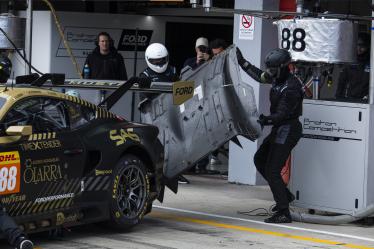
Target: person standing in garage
<point x="286" y="98"/>
<point x="104" y="62"/>
<point x="202" y="54"/>
<point x="353" y="84"/>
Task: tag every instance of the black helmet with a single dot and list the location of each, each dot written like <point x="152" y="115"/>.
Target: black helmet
<point x="277" y="58"/>
<point x="5" y="68"/>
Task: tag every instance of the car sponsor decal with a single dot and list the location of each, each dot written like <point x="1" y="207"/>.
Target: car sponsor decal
<point x="40" y="171"/>
<point x="99" y="172"/>
<point x="62" y="218"/>
<point x="41" y="145"/>
<point x="54" y="197"/>
<point x="182" y="91"/>
<point x="10" y="166"/>
<point x="120" y="136"/>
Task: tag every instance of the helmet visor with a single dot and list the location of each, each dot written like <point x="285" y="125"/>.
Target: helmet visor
<point x="159" y="61"/>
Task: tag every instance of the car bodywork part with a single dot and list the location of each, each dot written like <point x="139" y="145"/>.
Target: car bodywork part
<point x="222" y="107"/>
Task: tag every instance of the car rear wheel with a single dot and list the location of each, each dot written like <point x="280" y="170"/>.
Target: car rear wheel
<point x="130" y="192"/>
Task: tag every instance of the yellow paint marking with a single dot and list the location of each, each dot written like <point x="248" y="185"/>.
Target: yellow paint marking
<point x="254" y="230"/>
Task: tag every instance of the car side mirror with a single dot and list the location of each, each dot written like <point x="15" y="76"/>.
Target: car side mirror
<point x="22" y="130"/>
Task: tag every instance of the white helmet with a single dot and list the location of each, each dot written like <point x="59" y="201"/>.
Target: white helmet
<point x="157" y="57"/>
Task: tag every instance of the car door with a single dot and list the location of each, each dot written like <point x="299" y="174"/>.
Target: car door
<point x="50" y="157"/>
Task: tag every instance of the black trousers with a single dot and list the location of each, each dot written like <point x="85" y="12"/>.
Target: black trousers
<point x="272" y="155"/>
<point x="9" y="228"/>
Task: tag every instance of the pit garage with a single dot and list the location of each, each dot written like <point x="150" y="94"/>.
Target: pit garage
<point x="93" y="169"/>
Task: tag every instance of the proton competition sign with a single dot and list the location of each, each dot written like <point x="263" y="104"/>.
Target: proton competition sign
<point x="318" y="40"/>
<point x="246" y="27"/>
<point x="82" y="40"/>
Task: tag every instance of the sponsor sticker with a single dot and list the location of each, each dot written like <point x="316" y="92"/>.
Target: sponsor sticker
<point x="10" y="166"/>
<point x="182" y="91"/>
<point x="120" y="136"/>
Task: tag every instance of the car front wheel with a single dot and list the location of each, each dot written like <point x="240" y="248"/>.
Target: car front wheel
<point x="130" y="192"/>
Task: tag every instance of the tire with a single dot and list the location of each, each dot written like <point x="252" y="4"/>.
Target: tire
<point x="129" y="192"/>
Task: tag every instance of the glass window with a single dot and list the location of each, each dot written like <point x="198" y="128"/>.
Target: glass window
<point x="44" y="114"/>
<point x="79" y="115"/>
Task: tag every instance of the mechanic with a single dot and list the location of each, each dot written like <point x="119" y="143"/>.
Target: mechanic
<point x="202" y="54"/>
<point x="353" y="84"/>
<point x="7" y="225"/>
<point x="286" y="97"/>
<point x="104" y="62"/>
<point x="158" y="70"/>
<point x="217" y="46"/>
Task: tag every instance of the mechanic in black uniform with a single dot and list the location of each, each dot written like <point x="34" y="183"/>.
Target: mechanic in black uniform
<point x="286" y="97"/>
<point x="354" y="79"/>
<point x="7" y="225"/>
<point x="104" y="62"/>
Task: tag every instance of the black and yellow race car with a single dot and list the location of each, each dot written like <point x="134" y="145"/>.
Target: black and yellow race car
<point x="65" y="162"/>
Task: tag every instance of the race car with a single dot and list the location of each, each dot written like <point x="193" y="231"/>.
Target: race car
<point x="65" y="162"/>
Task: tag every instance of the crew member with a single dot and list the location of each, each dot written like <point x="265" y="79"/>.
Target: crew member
<point x="202" y="54"/>
<point x="158" y="70"/>
<point x="104" y="62"/>
<point x="354" y="79"/>
<point x="286" y="97"/>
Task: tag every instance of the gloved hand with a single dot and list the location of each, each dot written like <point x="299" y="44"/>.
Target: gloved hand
<point x="240" y="57"/>
<point x="142" y="104"/>
<point x="264" y="120"/>
<point x="144" y="82"/>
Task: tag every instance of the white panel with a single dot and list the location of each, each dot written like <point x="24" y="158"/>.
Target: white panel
<point x="328" y="169"/>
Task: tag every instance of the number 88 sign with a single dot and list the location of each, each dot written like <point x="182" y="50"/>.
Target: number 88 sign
<point x="318" y="40"/>
<point x="9" y="172"/>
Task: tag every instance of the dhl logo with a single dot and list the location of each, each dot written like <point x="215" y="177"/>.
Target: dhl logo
<point x="8" y="157"/>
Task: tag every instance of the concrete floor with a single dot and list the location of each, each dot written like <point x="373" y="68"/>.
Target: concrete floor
<point x="204" y="214"/>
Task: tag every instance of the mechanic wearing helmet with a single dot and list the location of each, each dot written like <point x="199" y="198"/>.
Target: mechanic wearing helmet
<point x="286" y="97"/>
<point x="7" y="225"/>
<point x="158" y="70"/>
<point x="104" y="62"/>
<point x="353" y="84"/>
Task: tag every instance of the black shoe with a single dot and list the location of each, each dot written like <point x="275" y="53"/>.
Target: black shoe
<point x="280" y="217"/>
<point x="183" y="180"/>
<point x="290" y="198"/>
<point x="24" y="243"/>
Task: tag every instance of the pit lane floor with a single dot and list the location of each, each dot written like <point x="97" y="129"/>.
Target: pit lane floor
<point x="204" y="214"/>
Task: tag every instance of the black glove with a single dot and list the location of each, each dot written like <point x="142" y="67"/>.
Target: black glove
<point x="264" y="120"/>
<point x="240" y="57"/>
<point x="144" y="82"/>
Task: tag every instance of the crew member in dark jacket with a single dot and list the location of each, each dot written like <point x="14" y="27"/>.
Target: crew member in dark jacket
<point x="354" y="79"/>
<point x="158" y="70"/>
<point x="286" y="97"/>
<point x="104" y="62"/>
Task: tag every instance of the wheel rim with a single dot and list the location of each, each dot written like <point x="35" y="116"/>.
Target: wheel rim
<point x="132" y="191"/>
